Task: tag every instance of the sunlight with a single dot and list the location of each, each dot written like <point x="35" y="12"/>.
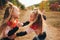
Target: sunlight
<point x="29" y="2"/>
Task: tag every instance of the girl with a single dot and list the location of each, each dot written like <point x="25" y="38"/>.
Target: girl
<point x="36" y="25"/>
<point x="12" y="24"/>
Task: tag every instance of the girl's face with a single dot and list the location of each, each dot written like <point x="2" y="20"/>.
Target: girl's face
<point x="32" y="17"/>
<point x="13" y="18"/>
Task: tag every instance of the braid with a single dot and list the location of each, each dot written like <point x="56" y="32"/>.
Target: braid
<point x="6" y="14"/>
<point x="38" y="20"/>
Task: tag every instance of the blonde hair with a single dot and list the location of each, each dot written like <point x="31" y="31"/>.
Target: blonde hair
<point x="38" y="19"/>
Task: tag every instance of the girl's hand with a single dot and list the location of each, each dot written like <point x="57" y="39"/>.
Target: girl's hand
<point x="19" y="24"/>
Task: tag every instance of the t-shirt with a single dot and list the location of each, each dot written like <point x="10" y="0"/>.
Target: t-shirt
<point x="34" y="26"/>
<point x="12" y="24"/>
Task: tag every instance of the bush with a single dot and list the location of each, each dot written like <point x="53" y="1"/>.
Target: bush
<point x="22" y="7"/>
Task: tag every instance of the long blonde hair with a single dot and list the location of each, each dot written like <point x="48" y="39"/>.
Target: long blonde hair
<point x="7" y="15"/>
<point x="38" y="19"/>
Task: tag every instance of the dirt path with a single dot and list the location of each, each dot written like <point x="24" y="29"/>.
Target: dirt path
<point x="52" y="32"/>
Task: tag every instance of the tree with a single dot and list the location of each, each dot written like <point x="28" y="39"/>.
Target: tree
<point x="22" y="7"/>
<point x="44" y="5"/>
<point x="36" y="5"/>
<point x="15" y="2"/>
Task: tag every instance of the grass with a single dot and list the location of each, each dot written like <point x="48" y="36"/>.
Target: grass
<point x="53" y="18"/>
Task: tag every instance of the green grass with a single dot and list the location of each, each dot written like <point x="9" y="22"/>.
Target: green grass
<point x="53" y="18"/>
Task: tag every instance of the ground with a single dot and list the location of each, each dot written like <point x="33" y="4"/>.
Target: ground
<point x="52" y="34"/>
<point x="51" y="26"/>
